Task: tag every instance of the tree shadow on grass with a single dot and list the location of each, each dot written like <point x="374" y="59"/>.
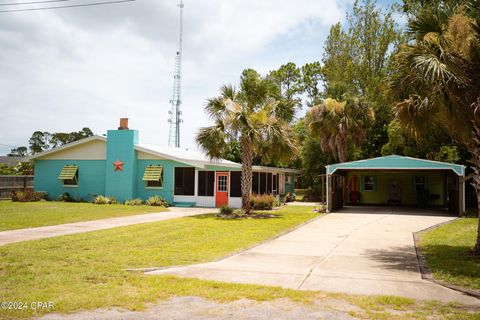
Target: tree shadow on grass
<point x="456" y="263"/>
<point x="397" y="258"/>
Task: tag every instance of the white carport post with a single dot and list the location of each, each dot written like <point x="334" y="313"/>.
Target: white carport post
<point x="327" y="191"/>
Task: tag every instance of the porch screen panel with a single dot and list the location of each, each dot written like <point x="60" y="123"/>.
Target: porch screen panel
<point x="184" y="181"/>
<point x="206" y="183"/>
<point x="269" y="183"/>
<point x="275" y="183"/>
<point x="210" y="183"/>
<point x="263" y="182"/>
<point x="255" y="176"/>
<point x="235" y="184"/>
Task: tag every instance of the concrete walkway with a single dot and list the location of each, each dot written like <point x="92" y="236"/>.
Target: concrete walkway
<point x="20" y="235"/>
<point x="356" y="251"/>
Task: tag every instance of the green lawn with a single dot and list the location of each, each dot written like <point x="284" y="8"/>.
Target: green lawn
<point x="86" y="271"/>
<point x="448" y="252"/>
<point x="19" y="215"/>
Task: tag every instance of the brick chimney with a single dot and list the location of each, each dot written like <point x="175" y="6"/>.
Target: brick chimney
<point x="123" y="124"/>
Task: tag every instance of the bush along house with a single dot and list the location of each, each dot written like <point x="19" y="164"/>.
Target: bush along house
<point x="120" y="166"/>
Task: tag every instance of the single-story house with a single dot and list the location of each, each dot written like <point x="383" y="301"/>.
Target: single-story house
<point x="118" y="165"/>
<point x="396" y="180"/>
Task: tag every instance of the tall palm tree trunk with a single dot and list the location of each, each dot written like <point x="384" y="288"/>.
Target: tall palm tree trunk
<point x="247" y="159"/>
<point x="476" y="249"/>
<point x="475" y="161"/>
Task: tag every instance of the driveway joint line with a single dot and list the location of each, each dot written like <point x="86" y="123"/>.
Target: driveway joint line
<point x="335" y="248"/>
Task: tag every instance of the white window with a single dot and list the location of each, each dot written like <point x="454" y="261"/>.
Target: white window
<point x="369" y="183"/>
<point x="420" y="183"/>
<point x="222" y="184"/>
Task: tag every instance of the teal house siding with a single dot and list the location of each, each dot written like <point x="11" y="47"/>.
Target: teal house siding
<point x="166" y="191"/>
<point x="121" y="147"/>
<point x="91" y="178"/>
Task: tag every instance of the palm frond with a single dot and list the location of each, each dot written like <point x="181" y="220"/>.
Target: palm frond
<point x="213" y="140"/>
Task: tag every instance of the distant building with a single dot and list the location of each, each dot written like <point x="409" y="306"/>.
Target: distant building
<point x="10" y="161"/>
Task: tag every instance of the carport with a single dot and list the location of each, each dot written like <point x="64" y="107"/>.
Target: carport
<point x="396" y="181"/>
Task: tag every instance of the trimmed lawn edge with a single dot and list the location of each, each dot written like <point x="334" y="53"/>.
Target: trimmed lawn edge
<point x="321" y="215"/>
<point x="425" y="271"/>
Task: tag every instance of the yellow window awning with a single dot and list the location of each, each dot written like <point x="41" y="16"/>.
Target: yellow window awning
<point x="153" y="173"/>
<point x="68" y="172"/>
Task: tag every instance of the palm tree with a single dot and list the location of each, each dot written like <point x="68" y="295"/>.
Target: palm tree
<point x="255" y="115"/>
<point x="340" y="124"/>
<point x="437" y="84"/>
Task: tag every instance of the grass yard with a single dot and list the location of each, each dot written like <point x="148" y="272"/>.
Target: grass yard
<point x="448" y="252"/>
<point x="19" y="215"/>
<point x="86" y="271"/>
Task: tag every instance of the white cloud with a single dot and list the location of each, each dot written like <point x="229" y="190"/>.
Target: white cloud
<point x="65" y="69"/>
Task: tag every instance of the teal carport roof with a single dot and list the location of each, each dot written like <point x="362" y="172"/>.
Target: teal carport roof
<point x="395" y="162"/>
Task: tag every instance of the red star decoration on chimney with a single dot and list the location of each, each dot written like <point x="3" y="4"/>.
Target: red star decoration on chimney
<point x="118" y="165"/>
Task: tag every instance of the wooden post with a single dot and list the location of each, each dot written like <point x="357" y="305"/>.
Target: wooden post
<point x="461" y="196"/>
<point x="323" y="179"/>
<point x="329" y="193"/>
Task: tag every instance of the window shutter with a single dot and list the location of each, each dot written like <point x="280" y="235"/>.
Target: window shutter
<point x="153" y="173"/>
<point x="68" y="172"/>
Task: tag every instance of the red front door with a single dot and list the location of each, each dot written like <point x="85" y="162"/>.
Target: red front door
<point x="222" y="189"/>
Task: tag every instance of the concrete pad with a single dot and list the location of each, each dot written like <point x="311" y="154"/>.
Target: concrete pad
<point x="286" y="280"/>
<point x="302" y="248"/>
<point x="20" y="235"/>
<point x="263" y="262"/>
<point x="362" y="266"/>
<point x="357" y="250"/>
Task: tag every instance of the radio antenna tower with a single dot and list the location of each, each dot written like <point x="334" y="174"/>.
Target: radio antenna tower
<point x="175" y="112"/>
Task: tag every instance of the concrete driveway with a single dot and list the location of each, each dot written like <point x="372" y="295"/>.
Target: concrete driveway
<point x="356" y="251"/>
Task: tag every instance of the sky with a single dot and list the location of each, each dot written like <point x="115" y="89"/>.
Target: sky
<point x="62" y="70"/>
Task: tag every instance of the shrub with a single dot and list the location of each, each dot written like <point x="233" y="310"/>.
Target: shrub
<point x="27" y="196"/>
<point x="134" y="202"/>
<point x="226" y="210"/>
<point x="314" y="194"/>
<point x="112" y="200"/>
<point x="156" y="201"/>
<point x="101" y="200"/>
<point x="238" y="212"/>
<point x="262" y="202"/>
<point x="289" y="197"/>
<point x="66" y="197"/>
